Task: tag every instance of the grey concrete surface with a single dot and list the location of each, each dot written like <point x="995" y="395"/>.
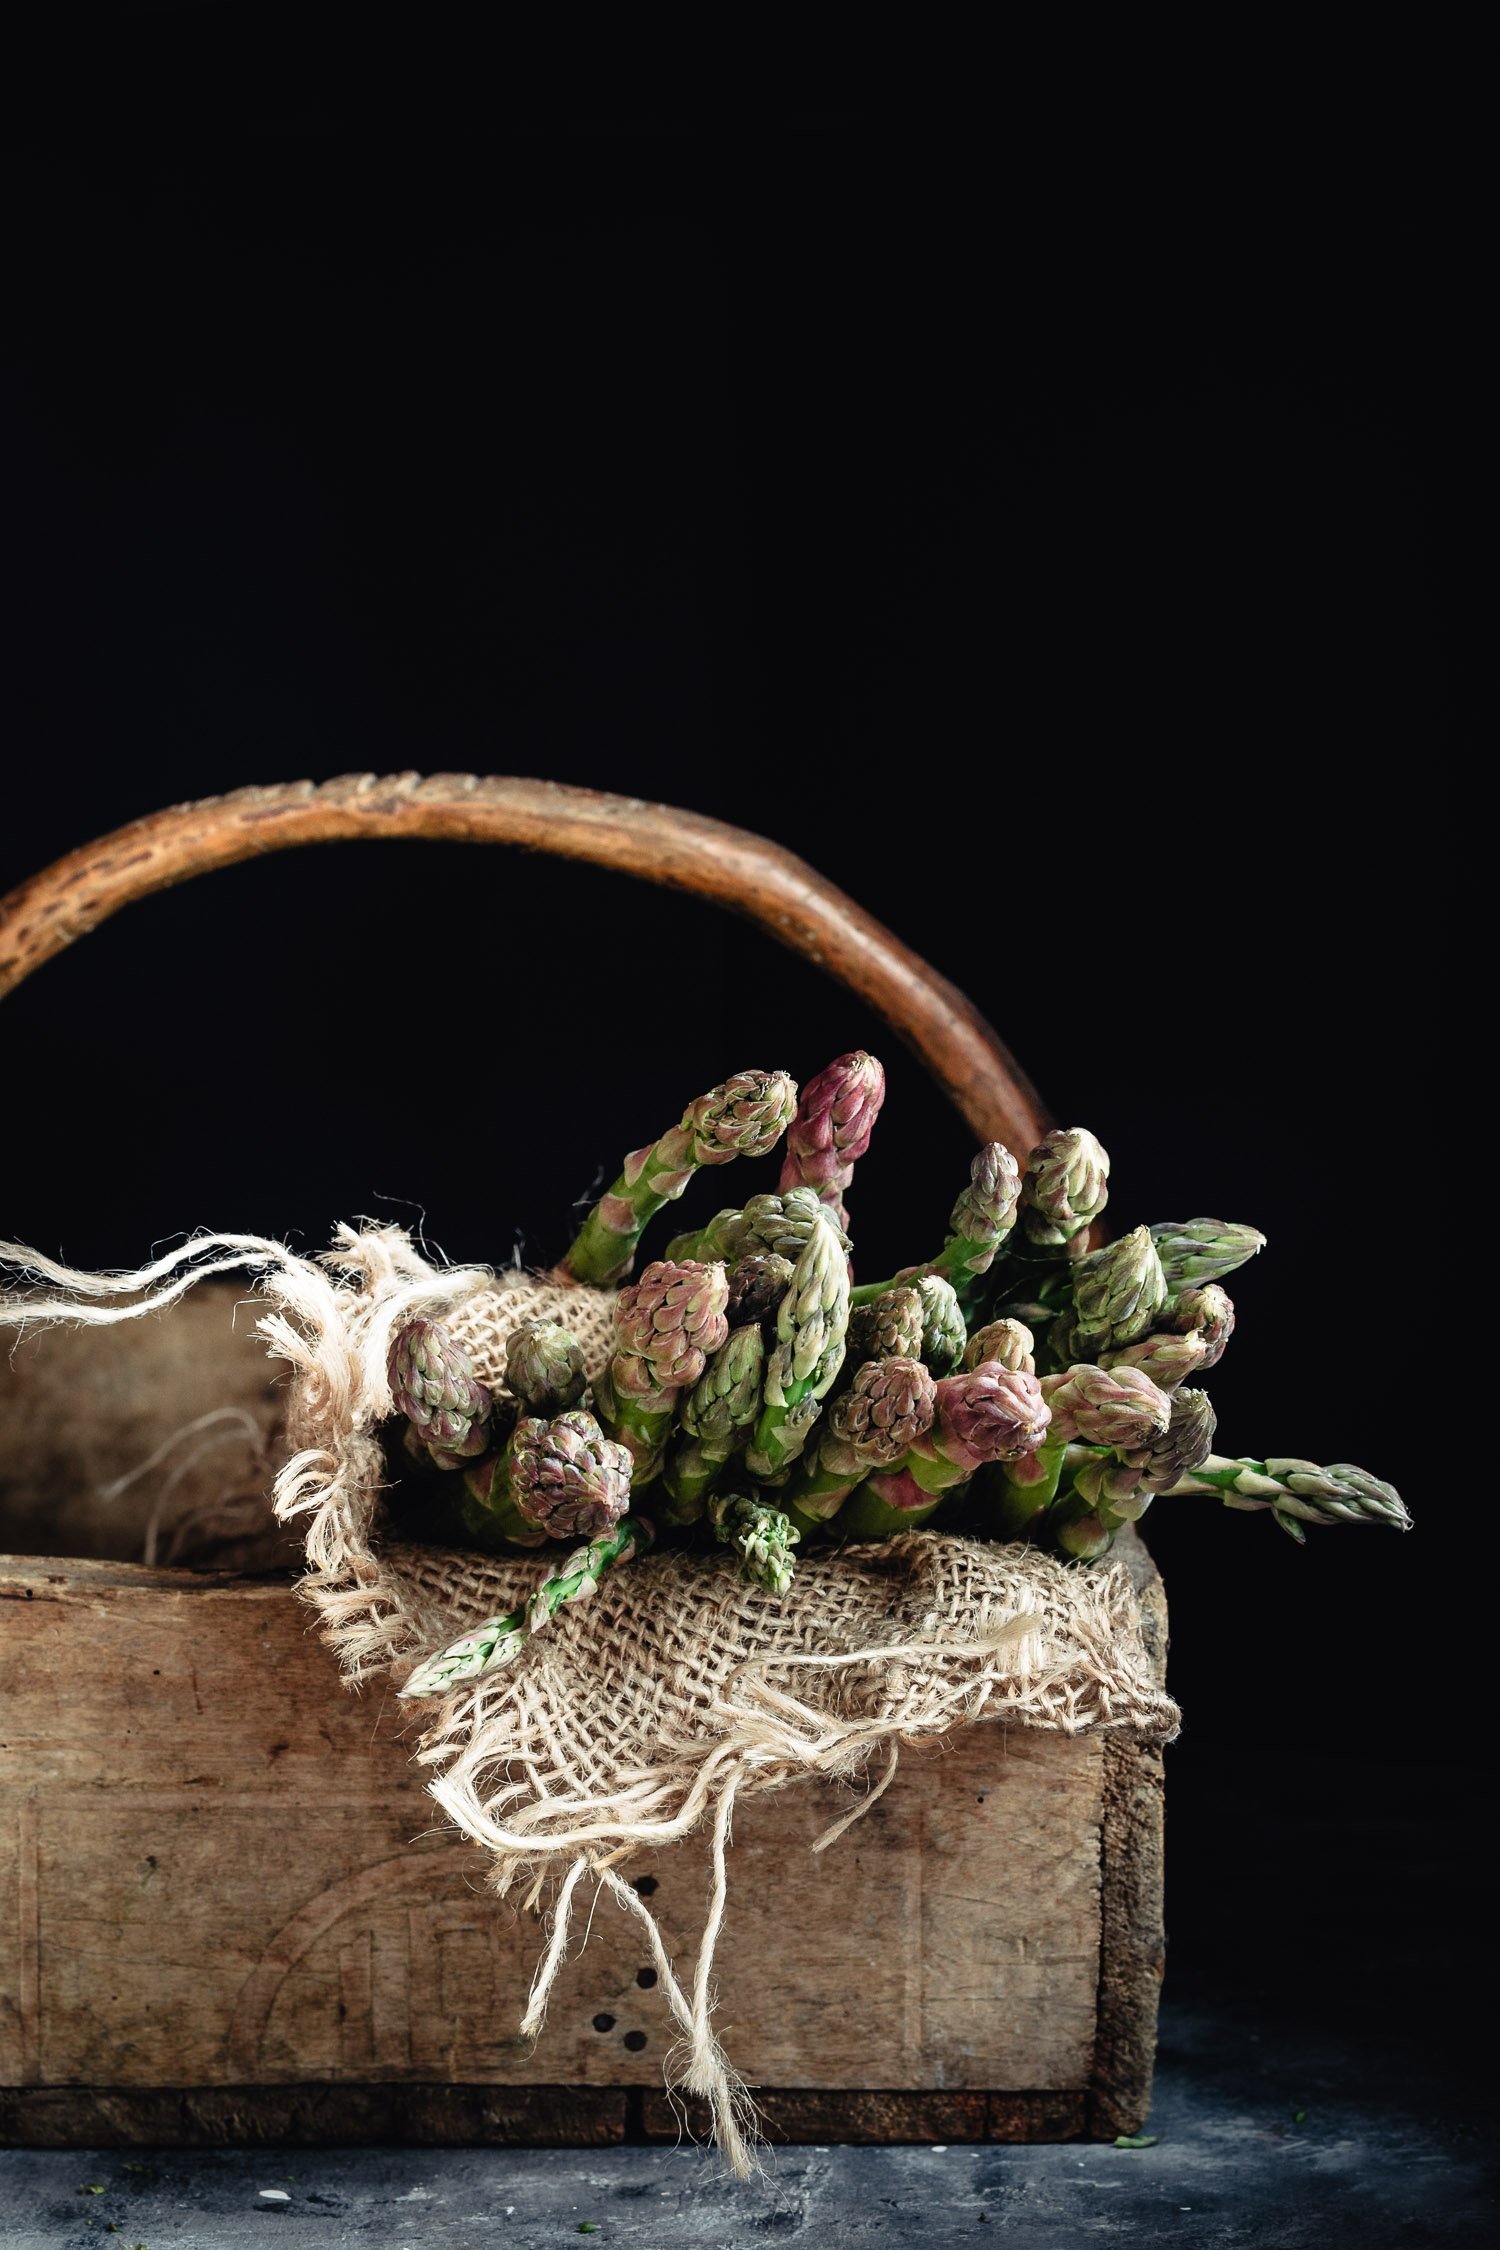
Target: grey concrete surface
<point x="1286" y="2143"/>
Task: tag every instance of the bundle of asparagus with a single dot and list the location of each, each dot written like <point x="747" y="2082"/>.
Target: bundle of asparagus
<point x="1016" y="1384"/>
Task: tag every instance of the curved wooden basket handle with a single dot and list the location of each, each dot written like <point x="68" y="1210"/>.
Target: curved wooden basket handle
<point x="658" y="842"/>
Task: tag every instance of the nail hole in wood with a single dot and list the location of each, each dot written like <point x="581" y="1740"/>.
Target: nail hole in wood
<point x="645" y="1978"/>
<point x="635" y="2041"/>
<point x="604" y="2023"/>
<point x="644" y="1886"/>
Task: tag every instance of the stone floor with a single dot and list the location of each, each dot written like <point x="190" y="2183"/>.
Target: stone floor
<point x="1278" y="2138"/>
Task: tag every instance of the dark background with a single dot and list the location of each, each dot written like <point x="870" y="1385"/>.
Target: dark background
<point x="1064" y="570"/>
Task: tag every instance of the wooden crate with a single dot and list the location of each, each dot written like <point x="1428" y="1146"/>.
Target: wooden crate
<point x="237" y="1917"/>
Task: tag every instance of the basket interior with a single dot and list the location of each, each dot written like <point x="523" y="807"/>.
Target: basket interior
<point x="153" y="1441"/>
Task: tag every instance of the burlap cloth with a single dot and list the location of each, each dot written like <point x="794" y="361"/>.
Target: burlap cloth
<point x="639" y="1714"/>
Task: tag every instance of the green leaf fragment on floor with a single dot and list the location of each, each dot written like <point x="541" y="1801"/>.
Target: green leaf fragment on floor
<point x="1136" y="2140"/>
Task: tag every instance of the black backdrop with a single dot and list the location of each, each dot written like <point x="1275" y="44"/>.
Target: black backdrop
<point x="1063" y="577"/>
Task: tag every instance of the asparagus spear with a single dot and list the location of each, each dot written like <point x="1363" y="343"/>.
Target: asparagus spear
<point x="1298" y="1492"/>
<point x="891" y="1326"/>
<point x="715" y="1415"/>
<point x="434" y="1385"/>
<point x="544" y="1366"/>
<point x="501" y="1639"/>
<point x="777" y="1225"/>
<point x="977" y="1225"/>
<point x="1119" y="1483"/>
<point x="1009" y="1341"/>
<point x="746" y="1116"/>
<point x="1193" y="1251"/>
<point x="1190" y="1338"/>
<point x="557" y="1479"/>
<point x="872" y="1425"/>
<point x="1123" y="1407"/>
<point x="756" y="1287"/>
<point x="666" y="1326"/>
<point x="991" y="1414"/>
<point x="1206" y="1312"/>
<point x="1167" y="1359"/>
<point x="1111" y="1489"/>
<point x="1117" y="1294"/>
<point x="1102" y="1406"/>
<point x="811" y="1322"/>
<point x="944" y="1332"/>
<point x="982" y="1217"/>
<point x="831" y="1130"/>
<point x="760" y="1535"/>
<point x="1066" y="1186"/>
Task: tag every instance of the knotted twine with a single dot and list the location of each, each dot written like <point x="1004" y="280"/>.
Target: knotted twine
<point x="649" y="1709"/>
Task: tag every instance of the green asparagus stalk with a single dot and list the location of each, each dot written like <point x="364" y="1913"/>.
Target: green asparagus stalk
<point x="501" y="1639"/>
<point x="775" y="1225"/>
<point x="557" y="1479"/>
<point x="746" y="1116"/>
<point x="761" y="1536"/>
<point x="811" y="1323"/>
<point x="1167" y="1359"/>
<point x="991" y="1414"/>
<point x="944" y="1332"/>
<point x="1206" y="1312"/>
<point x="977" y="1226"/>
<point x="756" y="1287"/>
<point x="1065" y="1187"/>
<point x="1009" y="1341"/>
<point x="716" y="1415"/>
<point x="982" y="1217"/>
<point x="1014" y="1496"/>
<point x="723" y="1241"/>
<point x="891" y="1326"/>
<point x="1115" y="1488"/>
<point x="1194" y="1251"/>
<point x="1117" y="1294"/>
<point x="1119" y="1484"/>
<point x="544" y="1367"/>
<point x="1298" y="1492"/>
<point x="1189" y="1338"/>
<point x="1108" y="1409"/>
<point x="1078" y="1530"/>
<point x="1102" y="1406"/>
<point x="667" y="1325"/>
<point x="434" y="1385"/>
<point x="831" y="1130"/>
<point x="872" y="1425"/>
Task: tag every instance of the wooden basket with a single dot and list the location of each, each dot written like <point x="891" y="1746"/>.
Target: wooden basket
<point x="979" y="1959"/>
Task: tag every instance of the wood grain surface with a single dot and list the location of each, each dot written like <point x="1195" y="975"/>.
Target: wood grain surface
<point x="660" y="843"/>
<point x="226" y="1872"/>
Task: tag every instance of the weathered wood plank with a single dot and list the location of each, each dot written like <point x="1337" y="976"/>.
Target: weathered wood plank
<point x="506" y="2116"/>
<point x="226" y="1875"/>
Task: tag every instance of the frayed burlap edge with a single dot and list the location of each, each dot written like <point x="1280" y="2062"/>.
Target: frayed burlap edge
<point x="642" y="1714"/>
